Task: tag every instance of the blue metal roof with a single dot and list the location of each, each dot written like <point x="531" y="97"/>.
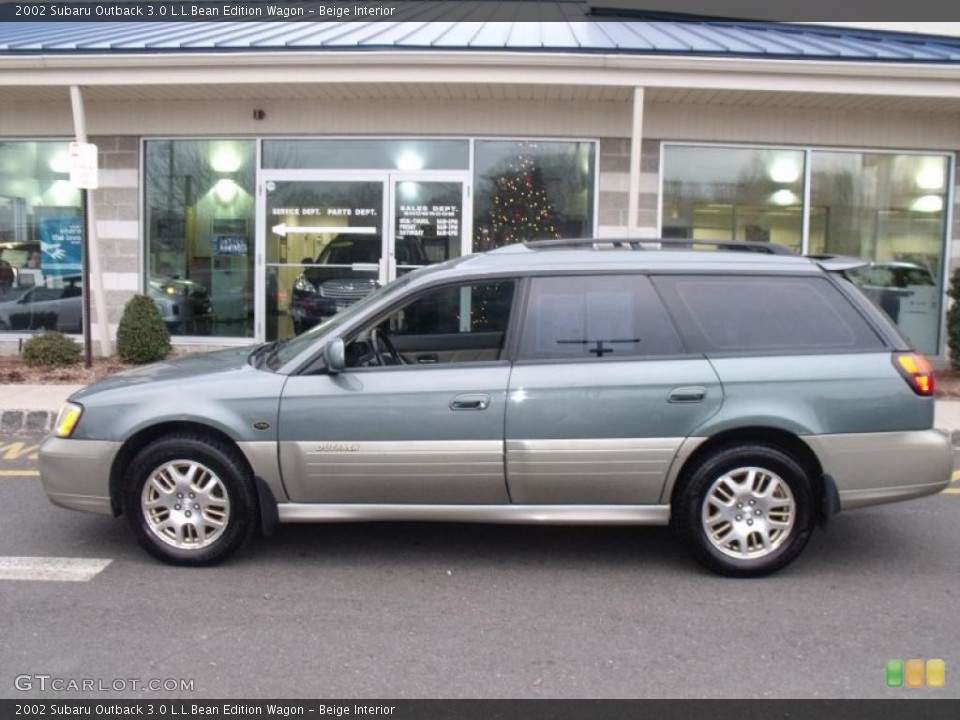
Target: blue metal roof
<point x="562" y="26"/>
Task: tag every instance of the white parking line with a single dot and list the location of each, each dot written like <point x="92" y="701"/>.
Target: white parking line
<point x="51" y="568"/>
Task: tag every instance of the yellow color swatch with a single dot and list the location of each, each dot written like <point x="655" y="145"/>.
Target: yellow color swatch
<point x="936" y="673"/>
<point x="914" y="674"/>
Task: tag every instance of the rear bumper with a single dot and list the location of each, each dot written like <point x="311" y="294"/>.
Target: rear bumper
<point x="76" y="473"/>
<point x="876" y="468"/>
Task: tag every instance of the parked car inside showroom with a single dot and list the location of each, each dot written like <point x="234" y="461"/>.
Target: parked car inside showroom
<point x="183" y="304"/>
<point x="345" y="271"/>
<point x="743" y="398"/>
<point x="53" y="305"/>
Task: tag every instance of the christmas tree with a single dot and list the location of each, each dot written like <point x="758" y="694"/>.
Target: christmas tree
<point x="520" y="209"/>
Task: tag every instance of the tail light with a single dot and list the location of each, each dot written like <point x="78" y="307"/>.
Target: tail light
<point x="917" y="371"/>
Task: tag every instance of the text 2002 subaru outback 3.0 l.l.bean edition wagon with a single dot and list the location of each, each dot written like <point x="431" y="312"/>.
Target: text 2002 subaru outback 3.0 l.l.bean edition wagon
<point x="742" y="397"/>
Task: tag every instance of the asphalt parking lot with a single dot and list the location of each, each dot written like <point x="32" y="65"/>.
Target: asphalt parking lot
<point x="462" y="611"/>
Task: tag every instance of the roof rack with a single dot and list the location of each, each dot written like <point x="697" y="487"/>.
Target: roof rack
<point x="659" y="244"/>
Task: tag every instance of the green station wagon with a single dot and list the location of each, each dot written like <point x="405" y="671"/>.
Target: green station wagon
<point x="742" y="395"/>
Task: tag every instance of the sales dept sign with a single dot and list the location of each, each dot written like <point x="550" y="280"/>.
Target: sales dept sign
<point x="83" y="166"/>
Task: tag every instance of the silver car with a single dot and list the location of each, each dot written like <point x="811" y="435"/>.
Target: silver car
<point x="742" y="397"/>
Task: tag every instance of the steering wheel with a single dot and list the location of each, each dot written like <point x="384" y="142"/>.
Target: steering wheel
<point x="383" y="348"/>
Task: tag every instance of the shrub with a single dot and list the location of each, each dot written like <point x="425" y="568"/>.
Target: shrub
<point x="51" y="349"/>
<point x="142" y="336"/>
<point x="953" y="321"/>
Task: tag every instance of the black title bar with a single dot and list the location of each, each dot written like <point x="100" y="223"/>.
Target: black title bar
<point x="473" y="10"/>
<point x="188" y="709"/>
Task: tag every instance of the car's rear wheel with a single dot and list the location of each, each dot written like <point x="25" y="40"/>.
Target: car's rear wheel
<point x="745" y="510"/>
<point x="190" y="499"/>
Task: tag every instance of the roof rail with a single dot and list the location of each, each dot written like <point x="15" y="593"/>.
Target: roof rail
<point x="661" y="244"/>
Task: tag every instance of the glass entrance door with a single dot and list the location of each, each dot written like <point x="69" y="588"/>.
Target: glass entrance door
<point x="324" y="244"/>
<point x="427" y="221"/>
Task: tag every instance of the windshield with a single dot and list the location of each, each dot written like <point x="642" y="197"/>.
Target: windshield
<point x="288" y="350"/>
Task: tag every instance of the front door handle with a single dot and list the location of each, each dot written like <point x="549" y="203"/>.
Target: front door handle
<point x="690" y="394"/>
<point x="477" y="401"/>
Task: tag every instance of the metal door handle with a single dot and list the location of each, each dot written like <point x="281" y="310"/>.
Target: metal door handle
<point x="479" y="401"/>
<point x="687" y="394"/>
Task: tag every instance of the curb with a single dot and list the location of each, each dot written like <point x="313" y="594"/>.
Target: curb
<point x="27" y="421"/>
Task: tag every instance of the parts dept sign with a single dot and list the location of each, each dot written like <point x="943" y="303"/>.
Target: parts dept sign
<point x="324" y="221"/>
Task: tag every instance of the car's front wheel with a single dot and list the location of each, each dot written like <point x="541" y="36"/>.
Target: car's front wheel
<point x="190" y="499"/>
<point x="745" y="510"/>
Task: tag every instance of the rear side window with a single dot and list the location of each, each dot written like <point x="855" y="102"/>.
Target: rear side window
<point x="765" y="314"/>
<point x="594" y="317"/>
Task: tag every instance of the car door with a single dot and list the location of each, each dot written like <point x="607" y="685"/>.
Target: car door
<point x="602" y="393"/>
<point x="419" y="427"/>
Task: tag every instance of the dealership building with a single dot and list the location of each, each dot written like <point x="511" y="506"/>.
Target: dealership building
<point x="243" y="164"/>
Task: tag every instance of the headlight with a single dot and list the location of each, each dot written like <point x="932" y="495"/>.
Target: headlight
<point x="67" y="420"/>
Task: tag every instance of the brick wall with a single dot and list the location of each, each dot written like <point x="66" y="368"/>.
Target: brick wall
<point x="117" y="213"/>
<point x="613" y="203"/>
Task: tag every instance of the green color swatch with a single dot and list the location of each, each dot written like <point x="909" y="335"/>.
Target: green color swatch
<point x="894" y="673"/>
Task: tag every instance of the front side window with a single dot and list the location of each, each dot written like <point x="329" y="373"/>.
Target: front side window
<point x="453" y="324"/>
<point x="41" y="239"/>
<point x="596" y="317"/>
<point x="199" y="208"/>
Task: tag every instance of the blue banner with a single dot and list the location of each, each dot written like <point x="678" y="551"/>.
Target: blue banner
<point x="61" y="245"/>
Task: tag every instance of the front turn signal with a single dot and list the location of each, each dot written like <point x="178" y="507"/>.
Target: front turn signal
<point x="67" y="420"/>
<point x="917" y="371"/>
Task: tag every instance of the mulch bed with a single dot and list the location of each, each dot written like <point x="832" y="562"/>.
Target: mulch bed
<point x="14" y="371"/>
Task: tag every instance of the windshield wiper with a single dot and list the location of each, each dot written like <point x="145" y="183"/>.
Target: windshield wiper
<point x="259" y="356"/>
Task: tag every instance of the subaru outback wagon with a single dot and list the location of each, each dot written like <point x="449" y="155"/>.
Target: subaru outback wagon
<point x="741" y="397"/>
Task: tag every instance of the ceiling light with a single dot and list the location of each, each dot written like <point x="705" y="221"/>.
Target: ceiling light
<point x="784" y="171"/>
<point x="927" y="204"/>
<point x="784" y="197"/>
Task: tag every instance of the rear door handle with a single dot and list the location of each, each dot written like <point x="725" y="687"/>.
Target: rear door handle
<point x="690" y="394"/>
<point x="477" y="401"/>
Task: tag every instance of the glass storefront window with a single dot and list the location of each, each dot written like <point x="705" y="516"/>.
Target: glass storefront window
<point x="40" y="239"/>
<point x="407" y="155"/>
<point x="199" y="226"/>
<point x="891" y="210"/>
<point x="716" y="193"/>
<point x="887" y="208"/>
<point x="532" y="190"/>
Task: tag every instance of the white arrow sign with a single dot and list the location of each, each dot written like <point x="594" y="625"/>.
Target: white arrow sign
<point x="283" y="229"/>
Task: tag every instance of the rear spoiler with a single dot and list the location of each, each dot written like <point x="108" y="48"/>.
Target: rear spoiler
<point x="838" y="263"/>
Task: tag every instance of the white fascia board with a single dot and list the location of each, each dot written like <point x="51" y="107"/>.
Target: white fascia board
<point x="860" y="78"/>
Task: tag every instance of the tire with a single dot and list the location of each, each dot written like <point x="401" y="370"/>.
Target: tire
<point x="177" y="471"/>
<point x="745" y="510"/>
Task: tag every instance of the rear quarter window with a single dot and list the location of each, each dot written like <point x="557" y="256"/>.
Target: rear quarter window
<point x="769" y="314"/>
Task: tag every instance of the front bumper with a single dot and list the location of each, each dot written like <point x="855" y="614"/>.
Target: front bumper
<point x="76" y="473"/>
<point x="876" y="468"/>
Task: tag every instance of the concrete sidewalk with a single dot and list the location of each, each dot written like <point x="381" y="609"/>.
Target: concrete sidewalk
<point x="31" y="408"/>
<point x="34" y="408"/>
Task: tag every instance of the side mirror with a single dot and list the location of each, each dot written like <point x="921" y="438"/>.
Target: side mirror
<point x="334" y="355"/>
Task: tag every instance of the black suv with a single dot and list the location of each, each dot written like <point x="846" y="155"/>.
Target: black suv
<point x="335" y="282"/>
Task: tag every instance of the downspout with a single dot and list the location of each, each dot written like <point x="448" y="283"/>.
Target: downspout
<point x="98" y="310"/>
